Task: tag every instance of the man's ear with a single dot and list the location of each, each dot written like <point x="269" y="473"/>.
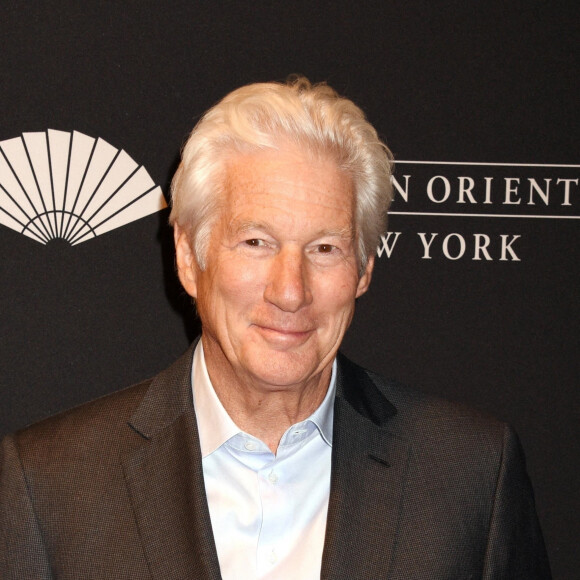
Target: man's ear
<point x="365" y="279"/>
<point x="185" y="260"/>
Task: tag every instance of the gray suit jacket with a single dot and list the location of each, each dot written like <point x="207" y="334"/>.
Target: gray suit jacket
<point x="420" y="489"/>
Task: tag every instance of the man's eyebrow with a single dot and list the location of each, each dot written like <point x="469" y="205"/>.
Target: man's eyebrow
<point x="241" y="227"/>
<point x="245" y="226"/>
<point x="346" y="233"/>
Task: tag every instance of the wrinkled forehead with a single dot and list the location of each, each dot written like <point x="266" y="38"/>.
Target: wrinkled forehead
<point x="290" y="177"/>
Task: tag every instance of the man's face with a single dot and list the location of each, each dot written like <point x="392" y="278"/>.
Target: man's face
<point x="279" y="288"/>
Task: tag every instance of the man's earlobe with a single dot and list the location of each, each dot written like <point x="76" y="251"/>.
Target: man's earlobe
<point x="365" y="279"/>
<point x="185" y="261"/>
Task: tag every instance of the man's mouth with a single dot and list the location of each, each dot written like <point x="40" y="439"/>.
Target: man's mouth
<point x="283" y="335"/>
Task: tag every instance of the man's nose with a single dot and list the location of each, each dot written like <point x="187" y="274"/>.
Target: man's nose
<point x="288" y="286"/>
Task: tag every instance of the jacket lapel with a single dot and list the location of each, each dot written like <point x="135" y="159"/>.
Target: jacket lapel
<point x="368" y="472"/>
<point x="165" y="480"/>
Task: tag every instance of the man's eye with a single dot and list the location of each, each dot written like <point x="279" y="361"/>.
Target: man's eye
<point x="254" y="242"/>
<point x="325" y="248"/>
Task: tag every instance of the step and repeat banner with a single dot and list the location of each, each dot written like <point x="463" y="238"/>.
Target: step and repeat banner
<point x="475" y="295"/>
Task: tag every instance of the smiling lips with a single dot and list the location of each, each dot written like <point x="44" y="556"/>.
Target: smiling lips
<point x="284" y="336"/>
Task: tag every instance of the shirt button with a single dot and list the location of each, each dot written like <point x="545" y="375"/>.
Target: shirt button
<point x="273" y="477"/>
<point x="250" y="445"/>
<point x="273" y="557"/>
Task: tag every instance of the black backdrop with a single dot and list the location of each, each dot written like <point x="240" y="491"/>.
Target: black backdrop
<point x="471" y="82"/>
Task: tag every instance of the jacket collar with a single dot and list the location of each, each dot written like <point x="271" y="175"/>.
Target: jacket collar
<point x="369" y="467"/>
<point x="357" y="389"/>
<point x="165" y="480"/>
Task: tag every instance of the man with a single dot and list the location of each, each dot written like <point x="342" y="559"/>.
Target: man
<point x="263" y="453"/>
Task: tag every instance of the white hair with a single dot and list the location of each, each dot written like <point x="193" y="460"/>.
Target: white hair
<point x="313" y="118"/>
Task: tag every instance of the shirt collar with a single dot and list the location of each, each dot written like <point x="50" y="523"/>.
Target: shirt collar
<point x="216" y="427"/>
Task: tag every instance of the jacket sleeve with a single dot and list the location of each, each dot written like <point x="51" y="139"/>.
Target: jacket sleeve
<point x="515" y="548"/>
<point x="22" y="552"/>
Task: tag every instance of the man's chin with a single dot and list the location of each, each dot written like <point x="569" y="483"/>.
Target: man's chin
<point x="283" y="370"/>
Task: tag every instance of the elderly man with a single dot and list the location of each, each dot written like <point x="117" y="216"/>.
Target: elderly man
<point x="262" y="452"/>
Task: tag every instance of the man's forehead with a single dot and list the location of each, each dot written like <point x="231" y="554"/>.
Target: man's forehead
<point x="289" y="176"/>
<point x="266" y="164"/>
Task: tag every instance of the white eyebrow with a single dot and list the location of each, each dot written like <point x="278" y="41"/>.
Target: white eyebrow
<point x="248" y="225"/>
<point x="345" y="233"/>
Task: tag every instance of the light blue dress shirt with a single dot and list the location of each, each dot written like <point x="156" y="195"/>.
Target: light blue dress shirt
<point x="268" y="512"/>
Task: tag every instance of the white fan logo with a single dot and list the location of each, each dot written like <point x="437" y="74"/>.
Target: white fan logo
<point x="56" y="184"/>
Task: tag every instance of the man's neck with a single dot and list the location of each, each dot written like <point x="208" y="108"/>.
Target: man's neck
<point x="262" y="410"/>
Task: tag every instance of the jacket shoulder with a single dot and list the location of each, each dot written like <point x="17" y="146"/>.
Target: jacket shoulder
<point x="82" y="430"/>
<point x="113" y="420"/>
<point x="424" y="418"/>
